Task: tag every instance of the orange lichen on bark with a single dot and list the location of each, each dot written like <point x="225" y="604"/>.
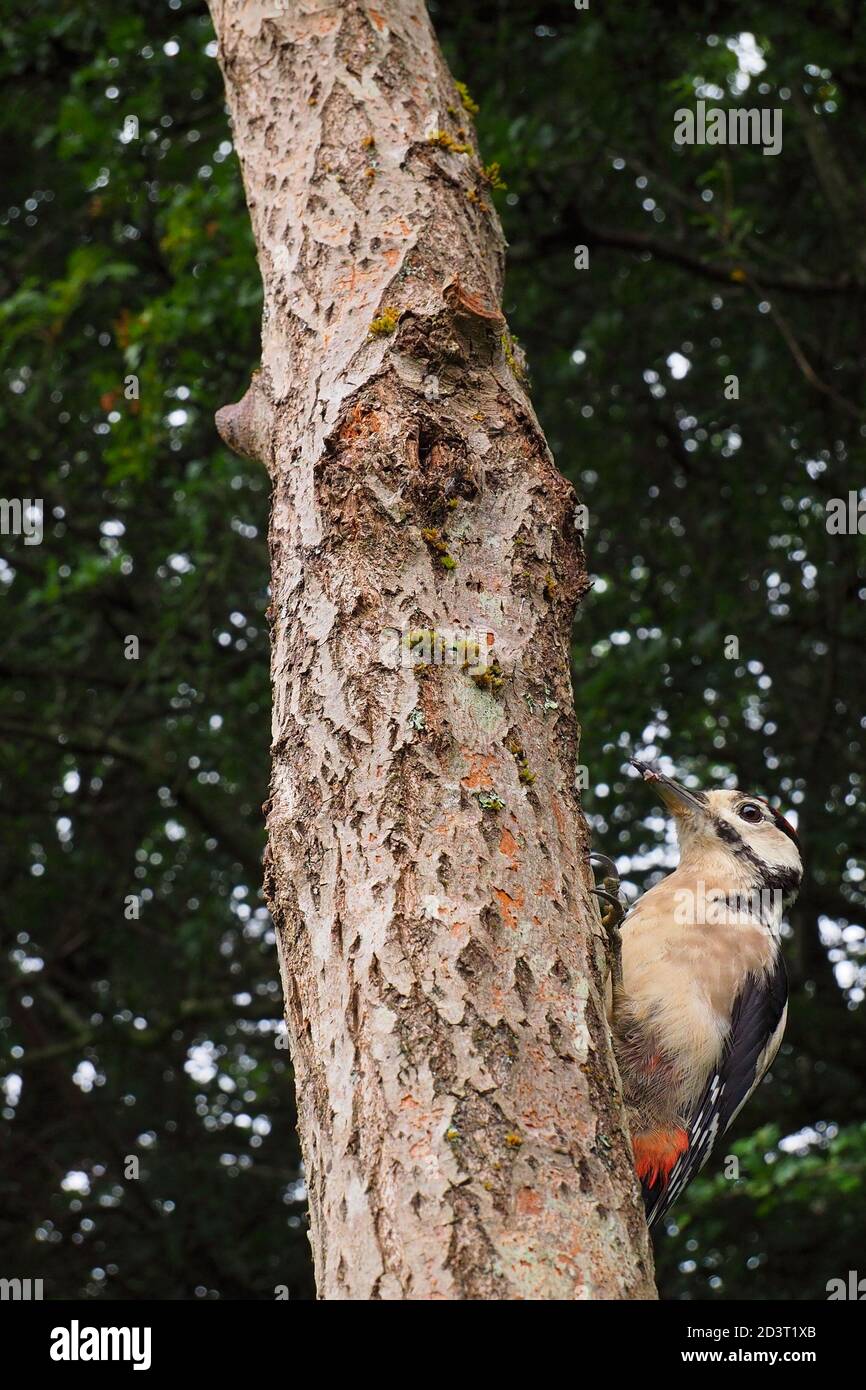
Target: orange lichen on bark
<point x="348" y="283"/>
<point x="528" y="1200"/>
<point x="478" y="778"/>
<point x="359" y="424"/>
<point x="509" y="906"/>
<point x="508" y="845"/>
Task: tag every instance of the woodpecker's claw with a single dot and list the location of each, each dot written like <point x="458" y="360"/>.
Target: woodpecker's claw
<point x="609" y="890"/>
<point x="612" y="914"/>
<point x="617" y="915"/>
<point x="607" y="864"/>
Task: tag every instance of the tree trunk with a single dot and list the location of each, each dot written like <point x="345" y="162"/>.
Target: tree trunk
<point x="427" y="872"/>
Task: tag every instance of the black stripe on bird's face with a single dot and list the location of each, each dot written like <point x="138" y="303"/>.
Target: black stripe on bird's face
<point x="773" y="877"/>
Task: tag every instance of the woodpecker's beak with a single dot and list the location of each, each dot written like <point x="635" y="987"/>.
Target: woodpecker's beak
<point x="677" y="799"/>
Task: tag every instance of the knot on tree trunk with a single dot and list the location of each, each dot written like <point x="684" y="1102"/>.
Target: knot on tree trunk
<point x="247" y="425"/>
<point x="463" y="301"/>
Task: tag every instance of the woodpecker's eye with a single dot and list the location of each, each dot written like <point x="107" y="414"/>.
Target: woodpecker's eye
<point x="752" y="813"/>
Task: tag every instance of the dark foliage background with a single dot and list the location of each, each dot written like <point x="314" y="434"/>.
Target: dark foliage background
<point x="155" y="1036"/>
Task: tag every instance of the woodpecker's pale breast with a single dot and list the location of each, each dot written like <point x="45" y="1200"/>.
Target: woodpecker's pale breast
<point x="681" y="975"/>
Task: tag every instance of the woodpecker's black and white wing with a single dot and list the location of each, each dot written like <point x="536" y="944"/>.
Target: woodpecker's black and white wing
<point x="757" y="1024"/>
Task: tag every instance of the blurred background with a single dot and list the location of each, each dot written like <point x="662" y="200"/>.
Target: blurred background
<point x="140" y="998"/>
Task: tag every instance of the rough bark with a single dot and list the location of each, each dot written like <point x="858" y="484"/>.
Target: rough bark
<point x="459" y="1110"/>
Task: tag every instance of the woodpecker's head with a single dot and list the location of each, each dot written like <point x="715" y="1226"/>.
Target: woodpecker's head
<point x="762" y="846"/>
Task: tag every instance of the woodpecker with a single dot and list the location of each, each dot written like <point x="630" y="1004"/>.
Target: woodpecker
<point x="697" y="996"/>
